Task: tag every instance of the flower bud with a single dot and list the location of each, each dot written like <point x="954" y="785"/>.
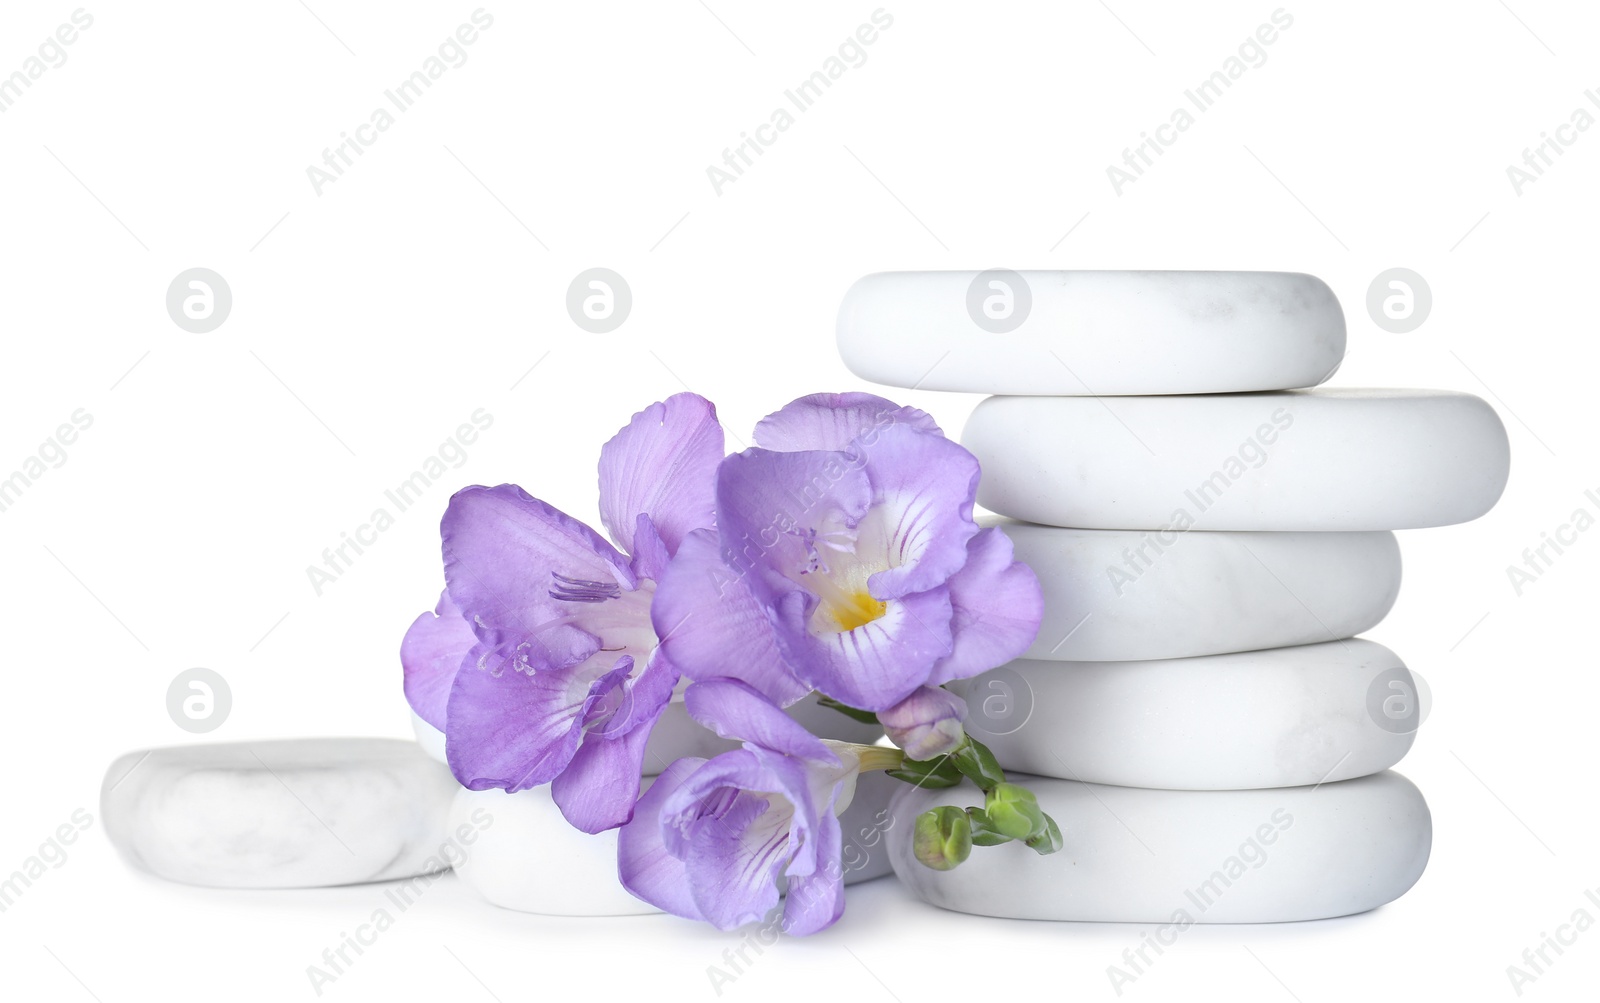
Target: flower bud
<point x="926" y="724"/>
<point x="942" y="837"/>
<point x="1014" y="811"/>
<point x="1048" y="841"/>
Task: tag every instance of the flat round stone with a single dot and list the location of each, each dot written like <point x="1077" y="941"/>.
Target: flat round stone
<point x="299" y="813"/>
<point x="1092" y="332"/>
<point x="1114" y="595"/>
<point x="1326" y="459"/>
<point x="1177" y="858"/>
<point x="677" y="735"/>
<point x="1283" y="717"/>
<point x="523" y="855"/>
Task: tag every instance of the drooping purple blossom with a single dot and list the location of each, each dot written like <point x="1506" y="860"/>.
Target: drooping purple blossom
<point x="714" y="839"/>
<point x="540" y="663"/>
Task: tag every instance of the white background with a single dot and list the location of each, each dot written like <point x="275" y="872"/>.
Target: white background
<point x="373" y="318"/>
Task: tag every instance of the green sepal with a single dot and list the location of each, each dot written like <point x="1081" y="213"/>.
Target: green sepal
<point x="978" y="764"/>
<point x="854" y="713"/>
<point x="983" y="831"/>
<point x="934" y="774"/>
<point x="1046" y="842"/>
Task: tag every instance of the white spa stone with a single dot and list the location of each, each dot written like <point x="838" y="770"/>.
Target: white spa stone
<point x="1283" y="717"/>
<point x="1184" y="857"/>
<point x="524" y="856"/>
<point x="298" y="813"/>
<point x="1115" y="595"/>
<point x="1092" y="332"/>
<point x="1326" y="459"/>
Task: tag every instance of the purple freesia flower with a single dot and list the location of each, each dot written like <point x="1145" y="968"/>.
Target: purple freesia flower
<point x="926" y="724"/>
<point x="845" y="559"/>
<point x="540" y="663"/>
<point x="712" y="839"/>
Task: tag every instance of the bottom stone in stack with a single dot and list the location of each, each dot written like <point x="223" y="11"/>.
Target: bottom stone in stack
<point x="1133" y="855"/>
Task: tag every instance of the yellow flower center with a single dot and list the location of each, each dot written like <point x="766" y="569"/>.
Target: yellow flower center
<point x="855" y="609"/>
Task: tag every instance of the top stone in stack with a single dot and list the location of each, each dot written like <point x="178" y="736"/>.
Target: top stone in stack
<point x="1173" y="401"/>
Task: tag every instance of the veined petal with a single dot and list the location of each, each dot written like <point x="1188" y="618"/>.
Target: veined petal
<point x="506" y="552"/>
<point x="782" y="516"/>
<point x="997" y="607"/>
<point x="711" y="625"/>
<point x="876" y="665"/>
<point x="644" y="866"/>
<point x="650" y="553"/>
<point x="662" y="464"/>
<point x="923" y="489"/>
<point x="598" y="788"/>
<point x="517" y="730"/>
<point x="834" y="421"/>
<point x="735" y="858"/>
<point x="430" y="654"/>
<point x="736" y="711"/>
<point x="815" y="901"/>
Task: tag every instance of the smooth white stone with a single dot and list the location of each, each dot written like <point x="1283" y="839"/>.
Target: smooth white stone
<point x="430" y="738"/>
<point x="677" y="735"/>
<point x="1283" y="717"/>
<point x="1096" y="332"/>
<point x="525" y="856"/>
<point x="1328" y="459"/>
<point x="1182" y="857"/>
<point x="298" y="813"/>
<point x="1114" y="595"/>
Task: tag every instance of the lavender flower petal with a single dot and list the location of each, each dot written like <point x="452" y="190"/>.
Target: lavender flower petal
<point x="834" y="421"/>
<point x="662" y="464"/>
<point x="430" y="654"/>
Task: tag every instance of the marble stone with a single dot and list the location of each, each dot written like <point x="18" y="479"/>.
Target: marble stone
<point x="1325" y="459"/>
<point x="1114" y="595"/>
<point x="297" y="813"/>
<point x="1186" y="857"/>
<point x="1283" y="717"/>
<point x="524" y="856"/>
<point x="677" y="735"/>
<point x="1092" y="332"/>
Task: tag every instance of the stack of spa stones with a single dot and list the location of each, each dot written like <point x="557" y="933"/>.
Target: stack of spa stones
<point x="1197" y="711"/>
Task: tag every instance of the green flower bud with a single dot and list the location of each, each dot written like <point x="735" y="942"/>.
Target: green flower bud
<point x="942" y="837"/>
<point x="1014" y="811"/>
<point x="1049" y="841"/>
<point x="983" y="831"/>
